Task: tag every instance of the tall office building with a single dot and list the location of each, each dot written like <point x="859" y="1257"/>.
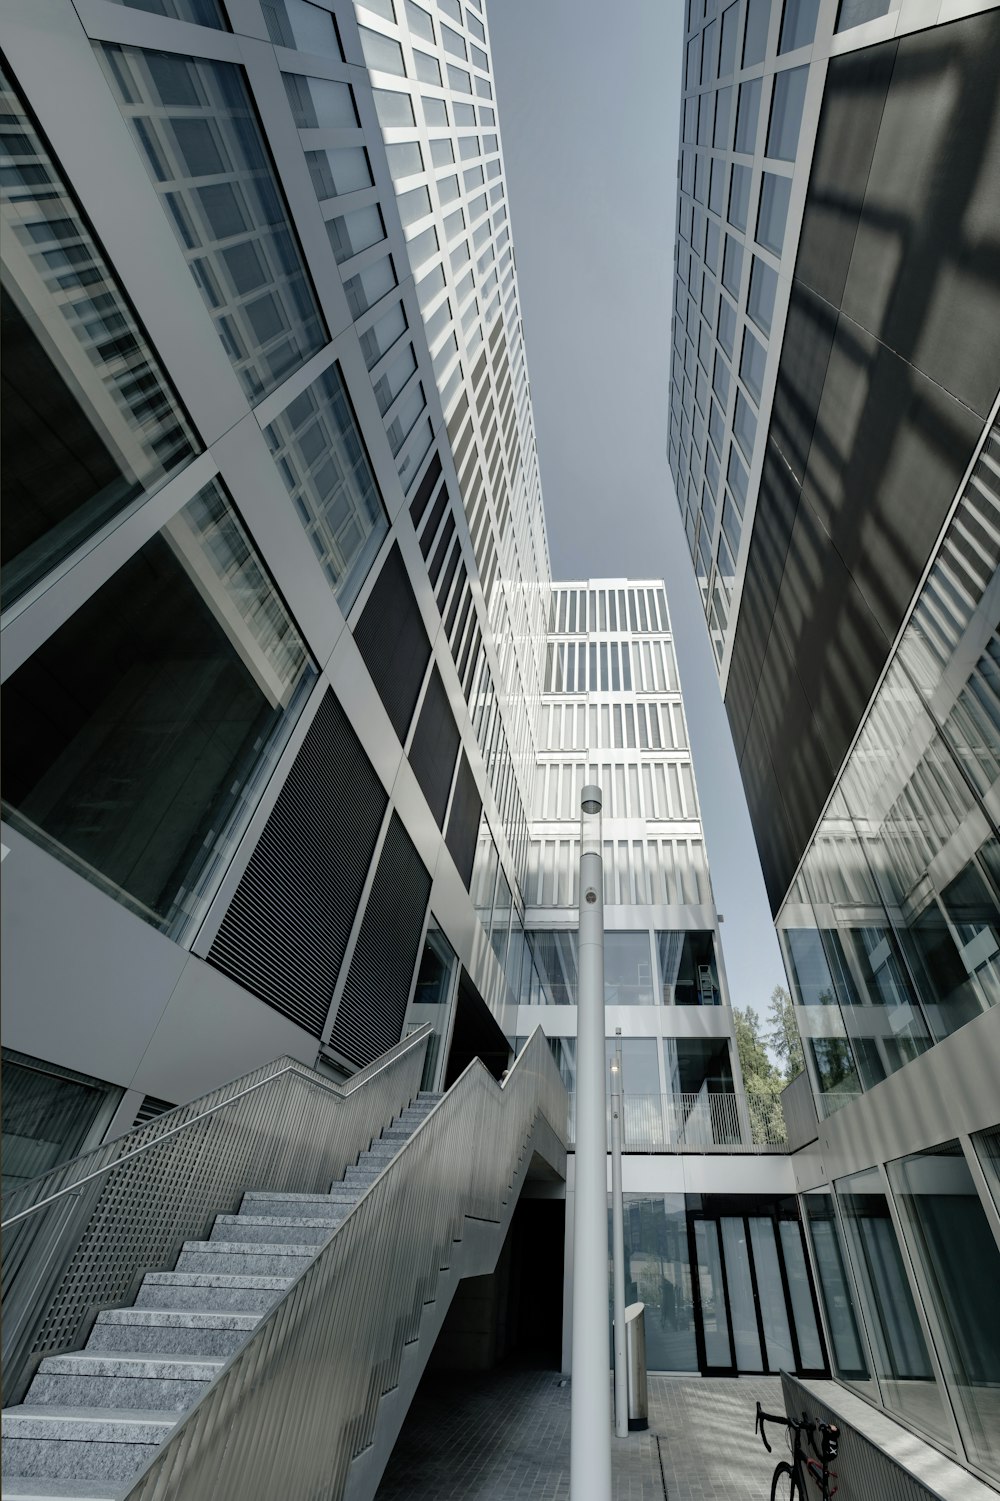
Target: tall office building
<point x="833" y="442"/>
<point x="297" y="723"/>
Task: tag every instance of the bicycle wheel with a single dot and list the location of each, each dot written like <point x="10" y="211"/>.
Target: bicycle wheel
<point x="785" y="1484"/>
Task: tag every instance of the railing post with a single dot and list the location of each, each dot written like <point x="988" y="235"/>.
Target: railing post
<point x="618" y="1225"/>
<point x="590" y="1429"/>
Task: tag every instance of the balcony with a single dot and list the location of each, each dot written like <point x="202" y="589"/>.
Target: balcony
<point x="724" y="1122"/>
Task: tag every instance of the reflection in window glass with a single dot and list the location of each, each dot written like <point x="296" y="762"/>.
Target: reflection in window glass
<point x="857" y="12"/>
<point x="432" y="1001"/>
<point x="905" y="1374"/>
<point x="317" y="447"/>
<point x="658" y="1273"/>
<point x="803" y="1310"/>
<point x="760" y="298"/>
<point x="773" y="212"/>
<point x="50" y="1114"/>
<point x="987" y="1148"/>
<point x="786" y="113"/>
<point x="89" y="419"/>
<point x="197" y="130"/>
<point x="836" y="1289"/>
<point x="628" y="970"/>
<point x="201" y="12"/>
<point x="752" y="364"/>
<point x="174" y="681"/>
<point x="548" y="977"/>
<point x="747" y="111"/>
<point x="755" y="36"/>
<point x="798" y="24"/>
<point x="739" y="196"/>
<point x="951" y="1240"/>
<point x="303" y="26"/>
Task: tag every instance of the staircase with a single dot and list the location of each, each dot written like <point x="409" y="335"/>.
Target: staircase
<point x="91" y="1420"/>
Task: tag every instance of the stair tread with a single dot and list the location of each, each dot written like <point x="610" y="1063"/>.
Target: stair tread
<point x="253" y="1281"/>
<point x="132" y="1425"/>
<point x="179" y="1318"/>
<point x="163" y="1367"/>
<point x="272" y="1219"/>
<point x="16" y="1487"/>
<point x="255" y="1195"/>
<point x="252" y="1248"/>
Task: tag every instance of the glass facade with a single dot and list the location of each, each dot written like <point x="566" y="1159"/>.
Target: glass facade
<point x="90" y="421"/>
<point x="136" y="732"/>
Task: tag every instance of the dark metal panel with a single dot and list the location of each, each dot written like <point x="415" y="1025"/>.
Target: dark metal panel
<point x="390" y="636"/>
<point x="463" y="825"/>
<point x="435" y="746"/>
<point x="285" y="932"/>
<point x="373" y="1003"/>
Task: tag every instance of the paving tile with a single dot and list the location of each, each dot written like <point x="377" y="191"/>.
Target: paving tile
<point x="505" y="1437"/>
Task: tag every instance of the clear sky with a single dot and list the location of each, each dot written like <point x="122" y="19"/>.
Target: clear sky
<point x="588" y="97"/>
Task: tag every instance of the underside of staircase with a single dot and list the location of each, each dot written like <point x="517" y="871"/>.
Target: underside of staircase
<point x="92" y="1419"/>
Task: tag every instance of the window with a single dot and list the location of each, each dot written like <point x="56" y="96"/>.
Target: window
<point x="196" y="128"/>
<point x="317" y="447"/>
<point x="405" y="159"/>
<point x="68" y="466"/>
<point x="738" y="479"/>
<point x="755" y="36"/>
<point x="786" y="113"/>
<point x="752" y="365"/>
<point x="723" y="119"/>
<point x="760" y="299"/>
<point x="744" y="425"/>
<point x="732" y="266"/>
<point x="739" y="197"/>
<point x="419" y="21"/>
<point x="747" y="111"/>
<point x="727" y="41"/>
<point x="774" y="195"/>
<point x="628" y="971"/>
<point x="427" y="68"/>
<point x="351" y="233"/>
<point x="857" y="12"/>
<point x="344" y="170"/>
<point x="322" y="104"/>
<point x="727" y="326"/>
<point x="716" y="185"/>
<point x="297" y="24"/>
<point x="798" y="24"/>
<point x="201" y="12"/>
<point x="367" y="287"/>
<point x="190" y="665"/>
<point x="435" y="111"/>
<point x="382" y="54"/>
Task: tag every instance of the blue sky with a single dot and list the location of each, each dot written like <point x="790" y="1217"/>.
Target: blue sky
<point x="588" y="97"/>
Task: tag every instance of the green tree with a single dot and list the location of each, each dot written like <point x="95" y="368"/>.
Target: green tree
<point x="784" y="1038"/>
<point x="762" y="1081"/>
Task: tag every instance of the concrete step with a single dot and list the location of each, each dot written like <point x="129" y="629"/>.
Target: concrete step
<point x="269" y="1229"/>
<point x="314" y="1210"/>
<point x="80" y="1443"/>
<point x="162" y="1331"/>
<point x="381" y="1151"/>
<point x="37" y="1488"/>
<point x="271" y="1259"/>
<point x="216" y="1292"/>
<point x="120" y="1381"/>
<point x="362" y="1177"/>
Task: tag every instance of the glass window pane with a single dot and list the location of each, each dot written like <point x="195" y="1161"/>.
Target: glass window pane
<point x="344" y="170"/>
<point x="741" y="1300"/>
<point x="322" y="103"/>
<point x="49" y="1116"/>
<point x="173" y="683"/>
<point x="658" y="1273"/>
<point x="201" y="12"/>
<point x="774" y="194"/>
<point x="306" y="27"/>
<point x="732" y="266"/>
<point x="727" y="40"/>
<point x="798" y="24"/>
<point x="351" y="233"/>
<point x="628" y="971"/>
<point x="321" y="458"/>
<point x="777" y="1338"/>
<point x="836" y="1290"/>
<point x="760" y="298"/>
<point x="987" y="1146"/>
<point x="905" y="1374"/>
<point x="89" y="418"/>
<point x="196" y="128"/>
<point x="952" y="1242"/>
<point x="755" y="36"/>
<point x="382" y="54"/>
<point x="739" y="197"/>
<point x="803" y="1310"/>
<point x="714" y="1319"/>
<point x="747" y="112"/>
<point x="786" y="113"/>
<point x="752" y="364"/>
<point x="744" y="425"/>
<point x="857" y="12"/>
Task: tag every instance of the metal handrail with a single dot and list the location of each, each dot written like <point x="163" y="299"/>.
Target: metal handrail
<point x="727" y="1121"/>
<point x="295" y="1405"/>
<point x="97" y="1223"/>
<point x="282" y="1065"/>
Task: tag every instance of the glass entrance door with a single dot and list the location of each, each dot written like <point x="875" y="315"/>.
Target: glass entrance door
<point x="755" y="1304"/>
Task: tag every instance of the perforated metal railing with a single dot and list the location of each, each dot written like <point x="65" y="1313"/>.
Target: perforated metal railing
<point x="78" y="1238"/>
<point x="294" y="1406"/>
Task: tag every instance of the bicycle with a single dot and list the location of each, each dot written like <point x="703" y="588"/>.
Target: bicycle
<point x="788" y="1482"/>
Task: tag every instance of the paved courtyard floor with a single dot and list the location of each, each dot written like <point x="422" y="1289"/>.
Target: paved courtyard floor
<point x="505" y="1437"/>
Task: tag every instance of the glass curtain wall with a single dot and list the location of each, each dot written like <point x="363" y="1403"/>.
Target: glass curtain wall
<point x="891" y="932"/>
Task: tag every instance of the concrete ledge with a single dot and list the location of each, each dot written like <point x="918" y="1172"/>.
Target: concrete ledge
<point x="879" y="1457"/>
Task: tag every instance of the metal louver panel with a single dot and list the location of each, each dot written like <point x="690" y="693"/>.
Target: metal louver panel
<point x="150" y="1108"/>
<point x="286" y="929"/>
<point x="373" y="1004"/>
<point x="391" y="638"/>
<point x="435" y="746"/>
<point x="463" y="825"/>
